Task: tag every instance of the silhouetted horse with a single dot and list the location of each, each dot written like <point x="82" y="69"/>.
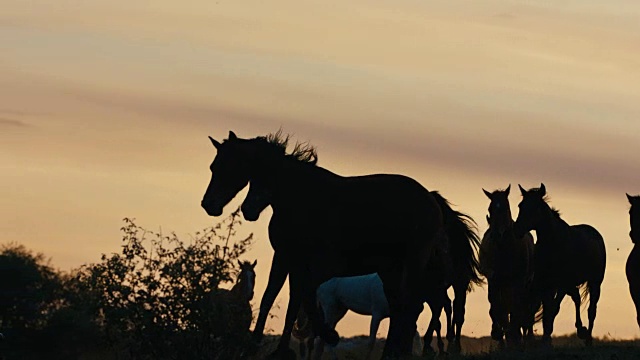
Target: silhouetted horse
<point x="326" y="225"/>
<point x="507" y="263"/>
<point x="567" y="258"/>
<point x="463" y="242"/>
<point x="633" y="262"/>
<point x="232" y="307"/>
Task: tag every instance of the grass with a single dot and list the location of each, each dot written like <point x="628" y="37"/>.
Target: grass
<point x="565" y="348"/>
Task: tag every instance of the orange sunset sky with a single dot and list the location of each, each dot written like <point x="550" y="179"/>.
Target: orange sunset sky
<point x="105" y="108"/>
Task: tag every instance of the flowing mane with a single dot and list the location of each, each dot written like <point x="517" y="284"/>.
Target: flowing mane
<point x="302" y="151"/>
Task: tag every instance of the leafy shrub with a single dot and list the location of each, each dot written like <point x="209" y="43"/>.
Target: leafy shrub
<point x="150" y="298"/>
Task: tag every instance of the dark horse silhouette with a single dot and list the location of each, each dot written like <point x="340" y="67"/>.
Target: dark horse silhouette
<point x="507" y="263"/>
<point x="326" y="225"/>
<point x="463" y="244"/>
<point x="633" y="262"/>
<point x="567" y="258"/>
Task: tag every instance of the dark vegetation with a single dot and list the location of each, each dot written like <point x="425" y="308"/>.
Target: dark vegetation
<point x="149" y="301"/>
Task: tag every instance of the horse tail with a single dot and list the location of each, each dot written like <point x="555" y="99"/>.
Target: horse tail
<point x="539" y="312"/>
<point x="585" y="292"/>
<point x="463" y="240"/>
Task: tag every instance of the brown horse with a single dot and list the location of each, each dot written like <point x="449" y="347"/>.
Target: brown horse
<point x="567" y="258"/>
<point x="633" y="262"/>
<point x="507" y="262"/>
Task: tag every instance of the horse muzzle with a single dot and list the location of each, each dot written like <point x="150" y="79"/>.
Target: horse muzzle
<point x="211" y="209"/>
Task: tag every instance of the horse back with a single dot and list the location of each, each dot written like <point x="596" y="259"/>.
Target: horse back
<point x="588" y="250"/>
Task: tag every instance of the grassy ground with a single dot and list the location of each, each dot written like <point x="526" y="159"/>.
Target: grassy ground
<point x="567" y="347"/>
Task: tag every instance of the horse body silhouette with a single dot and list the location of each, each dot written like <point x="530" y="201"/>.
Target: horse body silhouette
<point x="632" y="268"/>
<point x="567" y="258"/>
<point x="366" y="292"/>
<point x="232" y="307"/>
<point x="507" y="262"/>
<point x="333" y="225"/>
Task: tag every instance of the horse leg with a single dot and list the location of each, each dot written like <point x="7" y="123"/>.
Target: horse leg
<point x="277" y="276"/>
<point x="436" y="311"/>
<point x="515" y="313"/>
<point x="551" y="306"/>
<point x="373" y="331"/>
<point x="580" y="329"/>
<point x="548" y="317"/>
<point x="428" y="335"/>
<point x="497" y="332"/>
<point x="594" y="297"/>
<point x="404" y="308"/>
<point x="459" y="303"/>
<point x="447" y="312"/>
<point x="634" y="290"/>
<point x="333" y="315"/>
<point x="295" y="299"/>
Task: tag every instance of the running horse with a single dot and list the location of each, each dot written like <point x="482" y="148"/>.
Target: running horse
<point x="568" y="258"/>
<point x="507" y="263"/>
<point x="326" y="225"/>
<point x="633" y="262"/>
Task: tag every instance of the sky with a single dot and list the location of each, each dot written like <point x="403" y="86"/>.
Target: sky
<point x="105" y="109"/>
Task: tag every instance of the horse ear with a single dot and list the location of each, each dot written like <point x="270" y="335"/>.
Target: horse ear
<point x="232" y="135"/>
<point x="214" y="142"/>
<point x="255" y="262"/>
<point x="239" y="263"/>
<point x="487" y="193"/>
<point x="630" y="198"/>
<point x="543" y="190"/>
<point x="522" y="190"/>
<point x="508" y="189"/>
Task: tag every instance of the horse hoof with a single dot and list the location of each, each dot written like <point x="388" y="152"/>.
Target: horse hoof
<point x="583" y="333"/>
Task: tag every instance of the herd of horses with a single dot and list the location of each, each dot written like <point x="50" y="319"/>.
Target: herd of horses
<point x="383" y="245"/>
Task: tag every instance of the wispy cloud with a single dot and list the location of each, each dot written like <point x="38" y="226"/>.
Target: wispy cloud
<point x="8" y="122"/>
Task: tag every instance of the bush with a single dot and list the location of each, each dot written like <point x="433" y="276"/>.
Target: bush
<point x="148" y="299"/>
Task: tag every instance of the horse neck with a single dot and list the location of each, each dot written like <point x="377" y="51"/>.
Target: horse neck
<point x="502" y="225"/>
<point x="293" y="180"/>
<point x="552" y="229"/>
<point x="238" y="290"/>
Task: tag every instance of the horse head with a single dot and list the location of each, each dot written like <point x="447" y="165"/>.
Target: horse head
<point x="499" y="217"/>
<point x="230" y="172"/>
<point x="634" y="218"/>
<point x="246" y="280"/>
<point x="531" y="209"/>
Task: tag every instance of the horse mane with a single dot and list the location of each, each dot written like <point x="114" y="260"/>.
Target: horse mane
<point x="463" y="239"/>
<point x="302" y="151"/>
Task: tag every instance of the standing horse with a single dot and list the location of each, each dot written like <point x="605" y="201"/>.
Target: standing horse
<point x="567" y="258"/>
<point x="333" y="225"/>
<point x="364" y="294"/>
<point x="633" y="262"/>
<point x="507" y="263"/>
<point x="232" y="307"/>
<point x="463" y="243"/>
